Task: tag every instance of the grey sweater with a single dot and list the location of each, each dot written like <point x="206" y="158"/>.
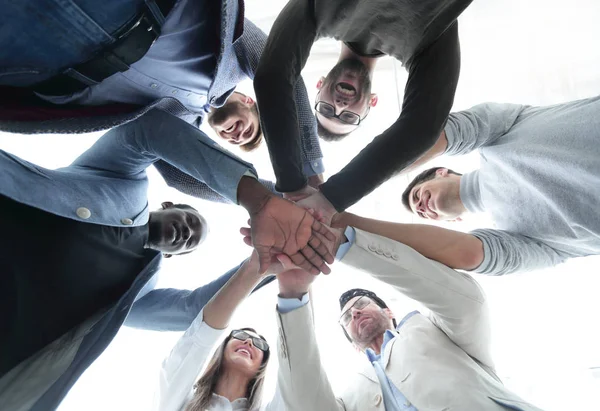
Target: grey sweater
<point x="539" y="180"/>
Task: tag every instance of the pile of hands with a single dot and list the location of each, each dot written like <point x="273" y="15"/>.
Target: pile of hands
<point x="293" y="238"/>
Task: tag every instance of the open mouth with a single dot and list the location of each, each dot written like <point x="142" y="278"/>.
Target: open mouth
<point x="176" y="234"/>
<point x="345" y="89"/>
<point x="248" y="132"/>
<point x="361" y="322"/>
<point x="235" y="127"/>
<point x="244" y="351"/>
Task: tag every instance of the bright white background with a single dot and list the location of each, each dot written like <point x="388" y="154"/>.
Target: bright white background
<point x="545" y="323"/>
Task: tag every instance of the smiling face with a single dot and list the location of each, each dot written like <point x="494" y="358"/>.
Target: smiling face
<point x="438" y="198"/>
<point x="243" y="356"/>
<point x="347" y="87"/>
<point x="175" y="230"/>
<point x="237" y="121"/>
<point x="366" y="323"/>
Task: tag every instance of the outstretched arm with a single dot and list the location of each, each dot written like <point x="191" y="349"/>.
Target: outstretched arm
<point x="456" y="302"/>
<point x="452" y="248"/>
<point x="428" y="98"/>
<point x="249" y="52"/>
<point x="169" y="309"/>
<point x="278" y="225"/>
<point x="183" y="365"/>
<point x="191" y="186"/>
<point x="283" y="58"/>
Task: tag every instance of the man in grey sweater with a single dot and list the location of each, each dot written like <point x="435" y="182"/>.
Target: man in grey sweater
<point x="539" y="180"/>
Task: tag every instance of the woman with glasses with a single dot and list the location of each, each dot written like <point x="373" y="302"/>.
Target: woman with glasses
<point x="233" y="377"/>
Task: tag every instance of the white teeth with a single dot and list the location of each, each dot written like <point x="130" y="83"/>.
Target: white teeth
<point x="344" y="91"/>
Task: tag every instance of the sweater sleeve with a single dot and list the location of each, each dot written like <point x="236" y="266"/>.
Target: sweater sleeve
<point x="428" y="98"/>
<point x="505" y="252"/>
<point x="278" y="73"/>
<point x="479" y="126"/>
<point x="253" y="44"/>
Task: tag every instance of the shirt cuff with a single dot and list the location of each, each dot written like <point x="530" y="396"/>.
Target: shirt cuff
<point x="314" y="167"/>
<point x="350" y="235"/>
<point x="285" y="305"/>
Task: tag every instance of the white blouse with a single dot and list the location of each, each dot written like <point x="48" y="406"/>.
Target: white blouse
<point x="183" y="366"/>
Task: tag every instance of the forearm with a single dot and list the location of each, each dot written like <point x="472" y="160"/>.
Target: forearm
<point x="301" y="378"/>
<point x="437" y="150"/>
<point x="452" y="248"/>
<point x="221" y="307"/>
<point x="281" y="63"/>
<point x="165" y="137"/>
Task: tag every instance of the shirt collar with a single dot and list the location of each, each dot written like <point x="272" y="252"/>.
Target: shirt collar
<point x="387" y="337"/>
<point x="241" y="404"/>
<point x="470" y="192"/>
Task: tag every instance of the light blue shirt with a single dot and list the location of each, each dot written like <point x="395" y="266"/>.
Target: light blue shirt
<point x="393" y="399"/>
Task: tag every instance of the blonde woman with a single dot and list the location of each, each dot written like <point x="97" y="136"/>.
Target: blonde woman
<point x="234" y="375"/>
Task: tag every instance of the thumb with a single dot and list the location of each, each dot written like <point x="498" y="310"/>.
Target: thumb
<point x="264" y="260"/>
<point x="285" y="261"/>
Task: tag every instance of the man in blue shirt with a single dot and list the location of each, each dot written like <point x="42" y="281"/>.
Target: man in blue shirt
<point x="80" y="250"/>
<point x="91" y="66"/>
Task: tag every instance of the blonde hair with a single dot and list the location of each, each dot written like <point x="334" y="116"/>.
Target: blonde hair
<point x="205" y="386"/>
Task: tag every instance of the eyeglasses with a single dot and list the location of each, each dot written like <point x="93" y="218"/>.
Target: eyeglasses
<point x="346" y="117"/>
<point x="258" y="342"/>
<point x="359" y="304"/>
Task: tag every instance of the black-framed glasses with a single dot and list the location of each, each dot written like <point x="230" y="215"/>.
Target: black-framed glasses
<point x="258" y="342"/>
<point x="359" y="304"/>
<point x="346" y="117"/>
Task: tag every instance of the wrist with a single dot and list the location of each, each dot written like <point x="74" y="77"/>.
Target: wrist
<point x="252" y="195"/>
<point x="340" y="220"/>
<point x="288" y="293"/>
<point x="251" y="269"/>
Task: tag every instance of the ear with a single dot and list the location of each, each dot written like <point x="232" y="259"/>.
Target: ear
<point x="441" y="172"/>
<point x="389" y="313"/>
<point x="165" y="255"/>
<point x="166" y="204"/>
<point x="373" y="100"/>
<point x="320" y="83"/>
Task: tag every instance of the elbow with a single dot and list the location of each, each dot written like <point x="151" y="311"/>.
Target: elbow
<point x="469" y="256"/>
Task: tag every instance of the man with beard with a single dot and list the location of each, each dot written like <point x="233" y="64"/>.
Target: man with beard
<point x="94" y="65"/>
<point x="423" y="35"/>
<point x="438" y="361"/>
<point x="79" y="246"/>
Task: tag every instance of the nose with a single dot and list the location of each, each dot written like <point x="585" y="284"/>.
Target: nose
<point x="248" y="341"/>
<point x="356" y="313"/>
<point x="340" y="104"/>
